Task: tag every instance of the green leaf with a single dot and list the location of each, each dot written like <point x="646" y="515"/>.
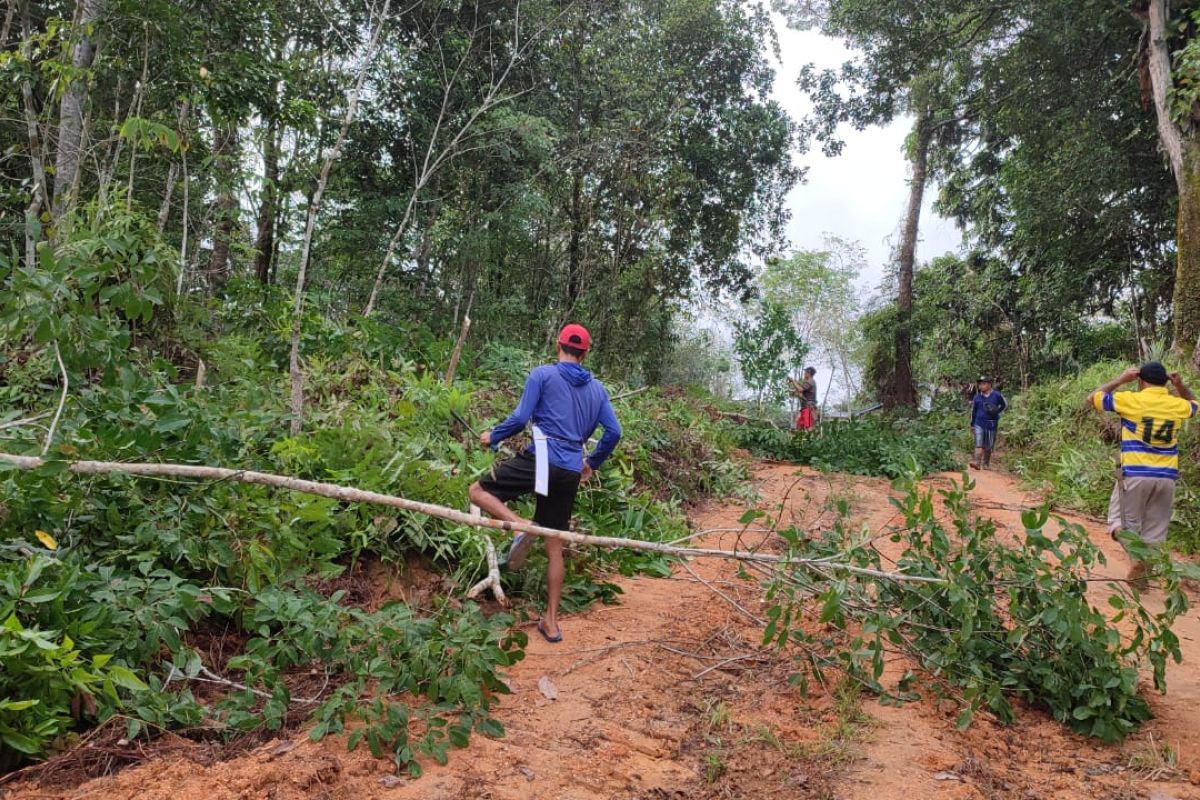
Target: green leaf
<point x="459" y="736"/>
<point x="749" y="516"/>
<point x="126" y="678"/>
<point x="21" y="742"/>
<point x="490" y="726"/>
<point x="17" y="705"/>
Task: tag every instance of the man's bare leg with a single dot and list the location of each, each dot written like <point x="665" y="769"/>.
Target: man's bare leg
<point x="496" y="509"/>
<point x="491" y="505"/>
<point x="554" y="585"/>
<point x="555" y="570"/>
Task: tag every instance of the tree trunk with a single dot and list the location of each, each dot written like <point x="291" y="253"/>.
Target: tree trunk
<point x="573" y="248"/>
<point x="225" y="212"/>
<point x="1158" y="63"/>
<point x="164" y="210"/>
<point x="8" y="20"/>
<point x="393" y="242"/>
<point x="310" y="223"/>
<point x="1183" y="153"/>
<point x="903" y="391"/>
<point x="264" y="244"/>
<point x="70" y="120"/>
<point x="423" y="259"/>
<point x="1186" y="301"/>
<point x="458" y="345"/>
<point x="37" y="162"/>
<point x="349" y="494"/>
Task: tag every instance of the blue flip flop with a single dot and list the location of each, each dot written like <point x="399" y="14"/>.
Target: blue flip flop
<point x="541" y="626"/>
<point x="517" y="551"/>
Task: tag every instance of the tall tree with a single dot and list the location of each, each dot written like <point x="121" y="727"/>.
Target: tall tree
<point x="71" y="109"/>
<point x="817" y="289"/>
<point x="1171" y="61"/>
<point x="314" y="208"/>
<point x="903" y="389"/>
<point x="1040" y="142"/>
<point x="226" y="206"/>
<point x="264" y="241"/>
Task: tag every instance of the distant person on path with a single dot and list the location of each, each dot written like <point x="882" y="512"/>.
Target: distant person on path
<point x="1151" y="418"/>
<point x="806" y="390"/>
<point x="986" y="407"/>
<point x="565" y="404"/>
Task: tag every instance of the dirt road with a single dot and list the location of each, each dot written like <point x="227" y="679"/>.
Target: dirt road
<point x="666" y="696"/>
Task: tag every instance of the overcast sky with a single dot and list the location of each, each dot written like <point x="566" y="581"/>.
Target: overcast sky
<point x="861" y="194"/>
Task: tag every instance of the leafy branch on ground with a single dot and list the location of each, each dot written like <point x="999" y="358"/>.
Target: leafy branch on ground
<point x="1007" y="620"/>
<point x="873" y="445"/>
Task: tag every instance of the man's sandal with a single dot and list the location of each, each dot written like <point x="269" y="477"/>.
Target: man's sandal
<point x="517" y="551"/>
<point x="541" y="626"/>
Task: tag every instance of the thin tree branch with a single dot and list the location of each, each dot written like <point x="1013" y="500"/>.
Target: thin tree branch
<point x="20" y="423"/>
<point x="351" y="495"/>
<point x="492" y="581"/>
<point x="62" y="401"/>
<point x="208" y="676"/>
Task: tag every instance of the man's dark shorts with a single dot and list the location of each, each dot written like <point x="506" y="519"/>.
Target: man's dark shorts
<point x="514" y="478"/>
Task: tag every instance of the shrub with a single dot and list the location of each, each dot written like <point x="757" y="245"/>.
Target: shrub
<point x="56" y="645"/>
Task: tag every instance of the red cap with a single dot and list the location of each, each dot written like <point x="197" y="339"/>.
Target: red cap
<point x="575" y="336"/>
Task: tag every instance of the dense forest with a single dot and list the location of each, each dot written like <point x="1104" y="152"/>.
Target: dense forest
<point x="327" y="240"/>
<point x="528" y="162"/>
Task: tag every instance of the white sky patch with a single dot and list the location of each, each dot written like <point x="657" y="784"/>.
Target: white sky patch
<point x="861" y="194"/>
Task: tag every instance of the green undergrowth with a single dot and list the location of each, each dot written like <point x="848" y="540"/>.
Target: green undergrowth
<point x="1059" y="444"/>
<point x="877" y="445"/>
<point x="989" y="622"/>
<point x="110" y="585"/>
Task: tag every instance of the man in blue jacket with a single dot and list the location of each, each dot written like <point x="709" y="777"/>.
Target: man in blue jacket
<point x="986" y="407"/>
<point x="565" y="405"/>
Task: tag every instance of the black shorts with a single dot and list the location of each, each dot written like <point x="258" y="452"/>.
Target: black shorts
<point x="514" y="478"/>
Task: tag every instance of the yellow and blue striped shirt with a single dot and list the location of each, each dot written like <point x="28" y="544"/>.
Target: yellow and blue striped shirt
<point x="1150" y="424"/>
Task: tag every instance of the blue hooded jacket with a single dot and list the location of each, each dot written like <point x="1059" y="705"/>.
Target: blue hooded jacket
<point x="567" y="404"/>
<point x="986" y="411"/>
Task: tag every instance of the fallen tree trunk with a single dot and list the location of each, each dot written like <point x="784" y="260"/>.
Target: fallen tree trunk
<point x="352" y="495"/>
<point x="745" y="419"/>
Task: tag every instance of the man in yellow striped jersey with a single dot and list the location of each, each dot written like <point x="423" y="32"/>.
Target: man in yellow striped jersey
<point x="1151" y="419"/>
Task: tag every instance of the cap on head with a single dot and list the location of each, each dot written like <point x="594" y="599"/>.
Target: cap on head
<point x="985" y="379"/>
<point x="575" y="336"/>
<point x="1153" y="373"/>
